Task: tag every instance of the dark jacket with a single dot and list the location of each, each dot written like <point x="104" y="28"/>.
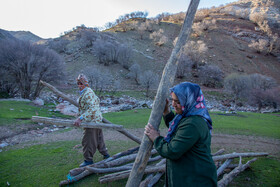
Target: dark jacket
<point x="189" y="160"/>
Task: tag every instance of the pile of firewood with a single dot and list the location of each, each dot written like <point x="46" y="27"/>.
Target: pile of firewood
<point x="119" y="167"/>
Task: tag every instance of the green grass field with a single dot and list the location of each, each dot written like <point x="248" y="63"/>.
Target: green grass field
<point x="48" y="164"/>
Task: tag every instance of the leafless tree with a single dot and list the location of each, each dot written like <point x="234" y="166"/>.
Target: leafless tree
<point x="184" y="65"/>
<point x="196" y="51"/>
<point x="135" y="72"/>
<point x="211" y="76"/>
<point x="149" y="80"/>
<point x="28" y="64"/>
<point x="98" y="80"/>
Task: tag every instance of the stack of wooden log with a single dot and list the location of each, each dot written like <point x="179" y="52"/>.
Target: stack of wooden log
<point x="119" y="167"/>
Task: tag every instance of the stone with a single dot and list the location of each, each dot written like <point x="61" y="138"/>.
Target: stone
<point x="38" y="102"/>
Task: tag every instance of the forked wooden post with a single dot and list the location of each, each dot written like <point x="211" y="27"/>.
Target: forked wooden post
<point x="166" y="82"/>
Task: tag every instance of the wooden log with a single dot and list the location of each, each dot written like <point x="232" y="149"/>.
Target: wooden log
<point x="146" y="181"/>
<point x="223" y="166"/>
<point x="120" y="168"/>
<point x="219" y="152"/>
<point x="155" y="179"/>
<point x="235" y="155"/>
<point x="125" y="174"/>
<point x="109" y="170"/>
<point x="77" y="171"/>
<point x="158" y="175"/>
<point x="162" y="93"/>
<point x="59" y="93"/>
<point x="229" y="177"/>
<point x="70" y="123"/>
<point x="124" y="159"/>
<point x="65" y="122"/>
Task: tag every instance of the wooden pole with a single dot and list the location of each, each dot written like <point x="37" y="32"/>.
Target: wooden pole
<point x="166" y="82"/>
<point x="70" y="123"/>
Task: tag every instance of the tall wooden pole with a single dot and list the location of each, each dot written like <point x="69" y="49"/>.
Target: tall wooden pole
<point x="166" y="82"/>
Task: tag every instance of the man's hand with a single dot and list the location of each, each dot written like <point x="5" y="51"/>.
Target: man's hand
<point x="151" y="132"/>
<point x="78" y="122"/>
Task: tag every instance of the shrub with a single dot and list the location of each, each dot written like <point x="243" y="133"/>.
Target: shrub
<point x="158" y="37"/>
<point x="211" y="76"/>
<point x="184" y="65"/>
<point x="260" y="46"/>
<point x="265" y="98"/>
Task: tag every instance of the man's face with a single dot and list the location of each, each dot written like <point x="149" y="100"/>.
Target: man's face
<point x="81" y="86"/>
<point x="176" y="104"/>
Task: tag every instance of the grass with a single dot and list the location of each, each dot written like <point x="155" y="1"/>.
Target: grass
<point x="257" y="124"/>
<point x="131" y="118"/>
<point x="22" y="112"/>
<point x="48" y="164"/>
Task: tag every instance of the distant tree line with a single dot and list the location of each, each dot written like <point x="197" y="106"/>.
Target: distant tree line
<point x="23" y="65"/>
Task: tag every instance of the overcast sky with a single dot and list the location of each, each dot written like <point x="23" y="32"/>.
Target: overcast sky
<point x="50" y="18"/>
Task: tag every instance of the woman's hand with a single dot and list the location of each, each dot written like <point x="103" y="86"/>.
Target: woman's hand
<point x="151" y="132"/>
<point x="166" y="108"/>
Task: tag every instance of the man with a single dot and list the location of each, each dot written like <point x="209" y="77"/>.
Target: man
<point x="89" y="111"/>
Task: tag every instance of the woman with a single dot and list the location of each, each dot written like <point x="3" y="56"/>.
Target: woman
<point x="187" y="143"/>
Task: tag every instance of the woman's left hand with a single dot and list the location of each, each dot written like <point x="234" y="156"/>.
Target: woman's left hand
<point x="151" y="132"/>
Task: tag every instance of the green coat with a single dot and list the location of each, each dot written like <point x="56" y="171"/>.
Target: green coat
<point x="189" y="161"/>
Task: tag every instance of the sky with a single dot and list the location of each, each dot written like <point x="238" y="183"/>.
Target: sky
<point x="50" y="18"/>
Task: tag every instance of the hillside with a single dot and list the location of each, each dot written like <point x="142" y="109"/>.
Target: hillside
<point x="26" y="36"/>
<point x="227" y="43"/>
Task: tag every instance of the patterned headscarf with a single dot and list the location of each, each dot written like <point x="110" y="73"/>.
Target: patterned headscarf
<point x="193" y="104"/>
<point x="83" y="79"/>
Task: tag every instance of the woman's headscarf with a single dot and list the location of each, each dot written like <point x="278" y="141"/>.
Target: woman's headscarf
<point x="193" y="104"/>
<point x="83" y="79"/>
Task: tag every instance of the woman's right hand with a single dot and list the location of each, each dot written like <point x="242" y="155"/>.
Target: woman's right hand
<point x="166" y="108"/>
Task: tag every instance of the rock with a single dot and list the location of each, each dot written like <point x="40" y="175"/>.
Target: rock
<point x="3" y="144"/>
<point x="38" y="102"/>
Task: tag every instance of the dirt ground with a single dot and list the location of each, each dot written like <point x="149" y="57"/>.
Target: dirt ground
<point x="231" y="143"/>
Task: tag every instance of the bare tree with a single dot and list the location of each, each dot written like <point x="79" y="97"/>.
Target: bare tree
<point x="149" y="80"/>
<point x="98" y="80"/>
<point x="184" y="65"/>
<point x="134" y="73"/>
<point x="196" y="51"/>
<point x="28" y="64"/>
<point x="211" y="76"/>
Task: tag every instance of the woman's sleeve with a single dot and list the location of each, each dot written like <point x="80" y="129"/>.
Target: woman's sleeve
<point x="186" y="136"/>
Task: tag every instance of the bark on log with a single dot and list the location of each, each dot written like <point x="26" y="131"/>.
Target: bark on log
<point x="229" y="177"/>
<point x="77" y="171"/>
<point x="145" y="182"/>
<point x="235" y="155"/>
<point x="124" y="159"/>
<point x="162" y="93"/>
<point x="155" y="179"/>
<point x="70" y="123"/>
<point x="120" y="168"/>
<point x="221" y="151"/>
<point x="125" y="174"/>
<point x="59" y="93"/>
<point x="223" y="167"/>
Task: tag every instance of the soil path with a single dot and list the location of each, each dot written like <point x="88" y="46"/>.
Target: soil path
<point x="231" y="143"/>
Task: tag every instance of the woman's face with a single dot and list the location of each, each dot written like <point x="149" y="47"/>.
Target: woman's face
<point x="176" y="104"/>
<point x="81" y="86"/>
